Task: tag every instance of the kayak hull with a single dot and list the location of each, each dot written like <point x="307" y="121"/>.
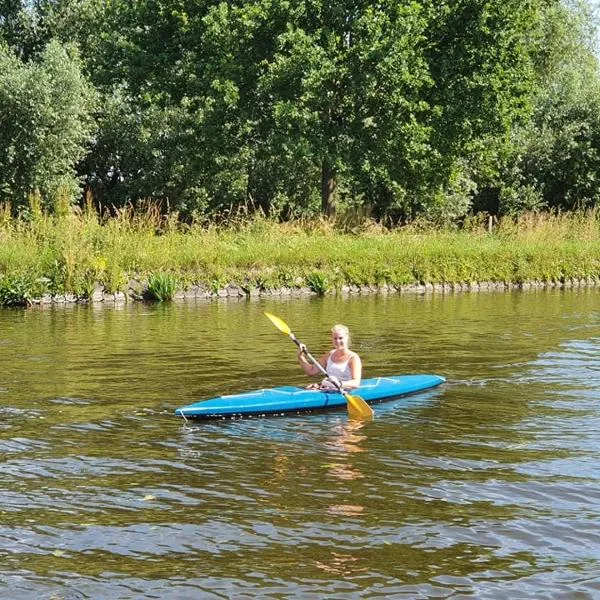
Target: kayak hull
<point x="286" y="399"/>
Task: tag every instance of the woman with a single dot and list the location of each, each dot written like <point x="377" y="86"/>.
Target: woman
<point x="344" y="367"/>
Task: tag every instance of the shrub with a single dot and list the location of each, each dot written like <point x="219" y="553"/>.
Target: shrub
<point x="20" y="290"/>
<point x="161" y="287"/>
<point x="318" y="282"/>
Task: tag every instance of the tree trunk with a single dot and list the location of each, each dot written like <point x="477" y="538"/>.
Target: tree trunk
<point x="327" y="189"/>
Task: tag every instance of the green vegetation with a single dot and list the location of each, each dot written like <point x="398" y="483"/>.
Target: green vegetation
<point x="20" y="289"/>
<point x="401" y="110"/>
<point x="74" y="253"/>
<point x="318" y="282"/>
<point x="161" y="287"/>
<point x="46" y="125"/>
<point x="305" y="144"/>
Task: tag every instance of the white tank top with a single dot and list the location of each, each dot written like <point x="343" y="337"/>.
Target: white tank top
<point x="340" y="370"/>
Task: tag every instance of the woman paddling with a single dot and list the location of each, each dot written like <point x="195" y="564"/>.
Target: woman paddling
<point x="344" y="367"/>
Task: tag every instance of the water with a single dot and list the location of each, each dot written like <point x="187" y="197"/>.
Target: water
<point x="487" y="487"/>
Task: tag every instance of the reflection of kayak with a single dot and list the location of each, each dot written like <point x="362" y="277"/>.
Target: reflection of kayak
<point x="295" y="399"/>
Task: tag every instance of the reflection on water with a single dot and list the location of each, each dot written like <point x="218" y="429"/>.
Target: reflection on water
<point x="486" y="487"/>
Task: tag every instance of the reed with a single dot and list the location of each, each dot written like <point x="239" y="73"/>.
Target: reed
<point x="161" y="287"/>
<point x="73" y="252"/>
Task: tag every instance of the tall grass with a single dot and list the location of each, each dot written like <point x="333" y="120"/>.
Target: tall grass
<point x="161" y="287"/>
<point x="74" y="252"/>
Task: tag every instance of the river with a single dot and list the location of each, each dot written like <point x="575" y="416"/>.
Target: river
<point x="488" y="486"/>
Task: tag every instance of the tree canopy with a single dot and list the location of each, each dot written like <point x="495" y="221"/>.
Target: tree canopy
<point x="402" y="107"/>
<point x="45" y="123"/>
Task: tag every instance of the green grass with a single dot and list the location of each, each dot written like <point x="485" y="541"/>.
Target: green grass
<point x="161" y="287"/>
<point x="71" y="254"/>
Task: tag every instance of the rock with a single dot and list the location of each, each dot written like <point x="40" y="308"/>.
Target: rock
<point x="232" y="291"/>
<point x="135" y="289"/>
<point x="98" y="294"/>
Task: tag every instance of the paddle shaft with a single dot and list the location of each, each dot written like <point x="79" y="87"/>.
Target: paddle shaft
<point x="315" y="362"/>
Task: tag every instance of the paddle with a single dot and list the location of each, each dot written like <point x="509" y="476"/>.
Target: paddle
<point x="357" y="407"/>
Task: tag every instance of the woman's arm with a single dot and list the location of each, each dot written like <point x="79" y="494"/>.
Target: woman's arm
<point x="310" y="369"/>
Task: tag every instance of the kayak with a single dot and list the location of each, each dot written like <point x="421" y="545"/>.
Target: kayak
<point x="286" y="399"/>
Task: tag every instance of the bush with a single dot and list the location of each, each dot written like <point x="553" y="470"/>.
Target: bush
<point x="318" y="282"/>
<point x="161" y="287"/>
<point x="20" y="290"/>
<point x="46" y="124"/>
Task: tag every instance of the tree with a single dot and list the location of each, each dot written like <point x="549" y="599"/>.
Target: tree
<point x="405" y="106"/>
<point x="346" y="82"/>
<point x="552" y="159"/>
<point x="45" y="124"/>
<point x="12" y="21"/>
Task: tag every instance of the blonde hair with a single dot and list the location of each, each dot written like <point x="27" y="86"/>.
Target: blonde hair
<point x="343" y="329"/>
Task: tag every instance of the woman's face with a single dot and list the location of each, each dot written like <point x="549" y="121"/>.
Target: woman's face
<point x="339" y="338"/>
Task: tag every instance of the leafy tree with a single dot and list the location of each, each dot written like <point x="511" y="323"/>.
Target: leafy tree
<point x="12" y="21"/>
<point x="552" y="160"/>
<point x="407" y="107"/>
<point x="45" y="123"/>
<point x="272" y="100"/>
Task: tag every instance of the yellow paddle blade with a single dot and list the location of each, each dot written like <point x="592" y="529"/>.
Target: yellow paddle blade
<point x="358" y="408"/>
<point x="281" y="325"/>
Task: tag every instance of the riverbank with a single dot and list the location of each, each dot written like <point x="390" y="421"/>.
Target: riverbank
<point x="198" y="293"/>
<point x="145" y="256"/>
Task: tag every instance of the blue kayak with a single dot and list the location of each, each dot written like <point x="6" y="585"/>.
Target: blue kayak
<point x="295" y="399"/>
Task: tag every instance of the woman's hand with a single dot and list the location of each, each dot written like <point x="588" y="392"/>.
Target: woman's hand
<point x="331" y="383"/>
<point x="335" y="381"/>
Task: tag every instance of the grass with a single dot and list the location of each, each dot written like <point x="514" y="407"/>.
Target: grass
<point x="161" y="287"/>
<point x="77" y="251"/>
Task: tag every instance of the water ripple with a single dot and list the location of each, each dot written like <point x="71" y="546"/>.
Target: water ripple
<point x="486" y="487"/>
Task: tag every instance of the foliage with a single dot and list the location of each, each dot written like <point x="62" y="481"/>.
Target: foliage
<point x="318" y="282"/>
<point x="15" y="25"/>
<point x="73" y="255"/>
<point x="560" y="148"/>
<point x="551" y="160"/>
<point x="161" y="287"/>
<point x="20" y="289"/>
<point x="45" y="124"/>
<point x="400" y="110"/>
